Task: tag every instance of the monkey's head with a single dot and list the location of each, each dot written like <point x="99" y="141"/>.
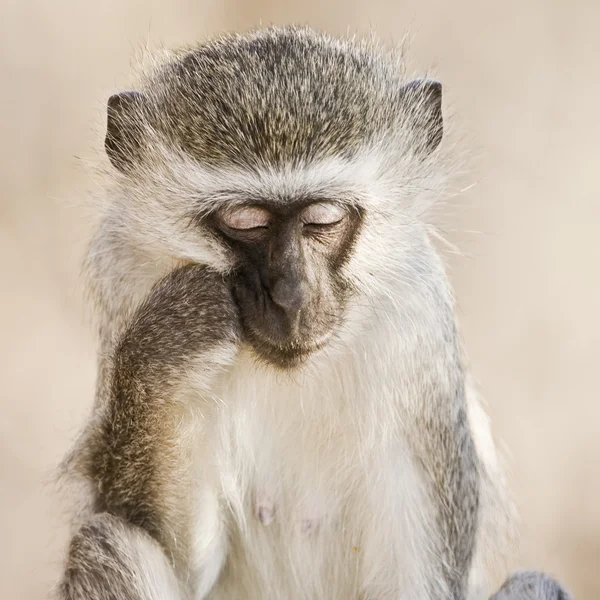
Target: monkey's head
<point x="297" y="164"/>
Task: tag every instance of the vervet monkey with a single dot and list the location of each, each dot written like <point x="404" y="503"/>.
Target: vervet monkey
<point x="283" y="410"/>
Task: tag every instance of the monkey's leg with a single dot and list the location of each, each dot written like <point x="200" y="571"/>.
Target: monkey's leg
<point x="111" y="559"/>
<point x="531" y="585"/>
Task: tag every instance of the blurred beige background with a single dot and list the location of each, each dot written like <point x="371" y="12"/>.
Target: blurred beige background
<point x="523" y="76"/>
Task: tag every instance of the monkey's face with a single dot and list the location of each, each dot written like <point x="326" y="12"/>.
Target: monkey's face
<point x="268" y="141"/>
<point x="287" y="280"/>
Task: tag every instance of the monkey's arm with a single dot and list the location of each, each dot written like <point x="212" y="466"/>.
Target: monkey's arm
<point x="448" y="458"/>
<point x="137" y="544"/>
<point x="456" y="470"/>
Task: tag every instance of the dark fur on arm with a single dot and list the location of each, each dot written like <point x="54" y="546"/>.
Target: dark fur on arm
<point x="134" y="453"/>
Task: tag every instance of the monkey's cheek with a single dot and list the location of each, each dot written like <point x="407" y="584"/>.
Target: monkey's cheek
<point x="245" y="304"/>
<point x="239" y="294"/>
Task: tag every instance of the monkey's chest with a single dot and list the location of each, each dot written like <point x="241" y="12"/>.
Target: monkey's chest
<point x="288" y="490"/>
<point x="289" y="537"/>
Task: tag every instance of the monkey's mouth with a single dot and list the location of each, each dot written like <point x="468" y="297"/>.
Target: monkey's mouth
<point x="276" y="337"/>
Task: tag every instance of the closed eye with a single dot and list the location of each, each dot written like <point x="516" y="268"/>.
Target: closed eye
<point x="322" y="215"/>
<point x="245" y="218"/>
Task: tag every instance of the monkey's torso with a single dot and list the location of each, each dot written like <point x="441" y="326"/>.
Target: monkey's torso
<point x="263" y="484"/>
<point x="308" y="511"/>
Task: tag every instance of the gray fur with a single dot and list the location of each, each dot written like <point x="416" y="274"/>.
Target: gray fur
<point x="531" y="585"/>
<point x="110" y="559"/>
<point x="130" y="452"/>
<point x="260" y="99"/>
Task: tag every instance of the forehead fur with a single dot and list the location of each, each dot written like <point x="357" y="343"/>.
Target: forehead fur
<point x="275" y="96"/>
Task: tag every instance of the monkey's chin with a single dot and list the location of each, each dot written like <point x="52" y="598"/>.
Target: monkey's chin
<point x="287" y="356"/>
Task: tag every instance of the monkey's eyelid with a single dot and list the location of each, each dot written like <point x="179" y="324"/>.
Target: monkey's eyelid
<point x="245" y="217"/>
<point x="323" y="213"/>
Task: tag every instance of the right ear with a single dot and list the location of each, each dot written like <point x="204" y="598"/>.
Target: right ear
<point x="424" y="103"/>
<point x="124" y="129"/>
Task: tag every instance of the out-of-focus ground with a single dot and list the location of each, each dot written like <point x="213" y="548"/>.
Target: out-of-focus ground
<point x="522" y="75"/>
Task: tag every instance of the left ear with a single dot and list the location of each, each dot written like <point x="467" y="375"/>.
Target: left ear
<point x="124" y="129"/>
<point x="424" y="105"/>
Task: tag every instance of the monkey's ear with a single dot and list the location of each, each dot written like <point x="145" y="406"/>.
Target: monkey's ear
<point x="124" y="129"/>
<point x="424" y="98"/>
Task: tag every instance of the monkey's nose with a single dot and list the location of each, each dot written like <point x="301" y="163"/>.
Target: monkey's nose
<point x="289" y="294"/>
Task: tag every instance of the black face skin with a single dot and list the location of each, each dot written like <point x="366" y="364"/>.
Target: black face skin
<point x="287" y="282"/>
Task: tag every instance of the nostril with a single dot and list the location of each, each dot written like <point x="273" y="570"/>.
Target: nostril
<point x="289" y="295"/>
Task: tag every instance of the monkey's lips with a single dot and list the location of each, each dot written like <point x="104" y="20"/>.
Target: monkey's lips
<point x="277" y="338"/>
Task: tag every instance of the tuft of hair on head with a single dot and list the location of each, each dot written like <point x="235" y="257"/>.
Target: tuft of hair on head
<point x="281" y="95"/>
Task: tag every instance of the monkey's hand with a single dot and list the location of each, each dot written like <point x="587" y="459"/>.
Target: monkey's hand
<point x="188" y="317"/>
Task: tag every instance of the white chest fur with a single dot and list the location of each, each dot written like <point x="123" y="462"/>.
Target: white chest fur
<point x="291" y="472"/>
